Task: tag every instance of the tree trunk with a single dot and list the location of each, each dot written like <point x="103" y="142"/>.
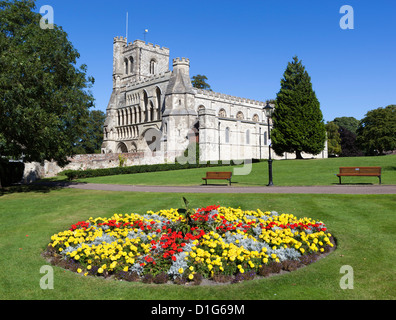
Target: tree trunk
<point x="298" y="155"/>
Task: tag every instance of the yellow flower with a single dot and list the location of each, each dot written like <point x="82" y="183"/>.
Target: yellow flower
<point x="181" y="270"/>
<point x="79" y="270"/>
<point x="302" y="250"/>
<point x="191" y="268"/>
<point x="100" y="270"/>
<point x="265" y="260"/>
<point x="191" y="276"/>
<point x="125" y="269"/>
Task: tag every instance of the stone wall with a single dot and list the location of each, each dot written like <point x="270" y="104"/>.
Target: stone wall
<point x="48" y="169"/>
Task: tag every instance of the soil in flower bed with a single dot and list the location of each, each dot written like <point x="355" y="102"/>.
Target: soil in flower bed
<point x="205" y="246"/>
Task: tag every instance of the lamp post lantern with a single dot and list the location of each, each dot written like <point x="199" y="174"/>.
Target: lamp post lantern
<point x="268" y="110"/>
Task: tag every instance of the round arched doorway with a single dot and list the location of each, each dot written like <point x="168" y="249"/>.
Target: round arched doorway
<point x="122" y="148"/>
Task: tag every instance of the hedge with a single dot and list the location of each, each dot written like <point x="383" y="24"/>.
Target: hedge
<point x="88" y="173"/>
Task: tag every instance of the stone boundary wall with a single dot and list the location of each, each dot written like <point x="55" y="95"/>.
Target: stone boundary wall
<point x="48" y="169"/>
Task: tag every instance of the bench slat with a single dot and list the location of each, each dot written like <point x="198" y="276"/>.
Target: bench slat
<point x="360" y="172"/>
<point x="220" y="175"/>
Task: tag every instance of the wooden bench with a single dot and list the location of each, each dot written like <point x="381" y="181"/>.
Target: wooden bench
<point x="360" y="172"/>
<point x="218" y="176"/>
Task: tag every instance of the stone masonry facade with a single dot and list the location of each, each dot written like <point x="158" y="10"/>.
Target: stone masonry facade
<point x="154" y="113"/>
<point x="155" y="109"/>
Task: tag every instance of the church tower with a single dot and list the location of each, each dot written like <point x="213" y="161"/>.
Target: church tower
<point x="179" y="116"/>
<point x="138" y="61"/>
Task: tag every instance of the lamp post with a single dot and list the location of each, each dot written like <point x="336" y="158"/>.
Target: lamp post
<point x="268" y="110"/>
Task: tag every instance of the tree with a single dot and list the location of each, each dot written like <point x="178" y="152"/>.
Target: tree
<point x="199" y="82"/>
<point x="377" y="131"/>
<point x="298" y="124"/>
<point x="333" y="139"/>
<point x="349" y="123"/>
<point x="91" y="141"/>
<point x="348" y="143"/>
<point x="45" y="98"/>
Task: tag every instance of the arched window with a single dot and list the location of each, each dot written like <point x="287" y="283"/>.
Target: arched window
<point x="222" y="113"/>
<point x="122" y="117"/>
<point x="131" y="65"/>
<point x="145" y="107"/>
<point x="152" y="66"/>
<point x="247" y="136"/>
<point x="126" y="66"/>
<point x="239" y="115"/>
<point x="151" y="112"/>
<point x="158" y="95"/>
<point x="227" y="135"/>
<point x="256" y="118"/>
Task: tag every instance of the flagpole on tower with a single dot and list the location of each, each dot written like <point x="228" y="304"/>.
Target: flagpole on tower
<point x="144" y="34"/>
<point x="127" y="25"/>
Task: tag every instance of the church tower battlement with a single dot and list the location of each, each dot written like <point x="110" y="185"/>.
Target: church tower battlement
<point x="137" y="61"/>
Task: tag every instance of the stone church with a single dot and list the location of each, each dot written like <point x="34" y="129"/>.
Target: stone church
<point x="157" y="112"/>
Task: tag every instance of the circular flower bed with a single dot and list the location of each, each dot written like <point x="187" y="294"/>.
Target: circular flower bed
<point x="190" y="245"/>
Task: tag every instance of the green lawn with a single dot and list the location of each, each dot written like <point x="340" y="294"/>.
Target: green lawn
<point x="363" y="226"/>
<point x="285" y="173"/>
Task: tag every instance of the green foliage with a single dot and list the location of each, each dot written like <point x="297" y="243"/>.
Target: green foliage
<point x="349" y="123"/>
<point x="187" y="211"/>
<point x="92" y="138"/>
<point x="333" y="139"/>
<point x="298" y="124"/>
<point x="348" y="144"/>
<point x="122" y="160"/>
<point x="44" y="97"/>
<point x="199" y="82"/>
<point x="377" y="131"/>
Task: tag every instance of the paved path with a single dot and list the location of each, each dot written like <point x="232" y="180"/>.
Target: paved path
<point x="334" y="189"/>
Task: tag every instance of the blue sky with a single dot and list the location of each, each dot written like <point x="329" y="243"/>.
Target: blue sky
<point x="243" y="47"/>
